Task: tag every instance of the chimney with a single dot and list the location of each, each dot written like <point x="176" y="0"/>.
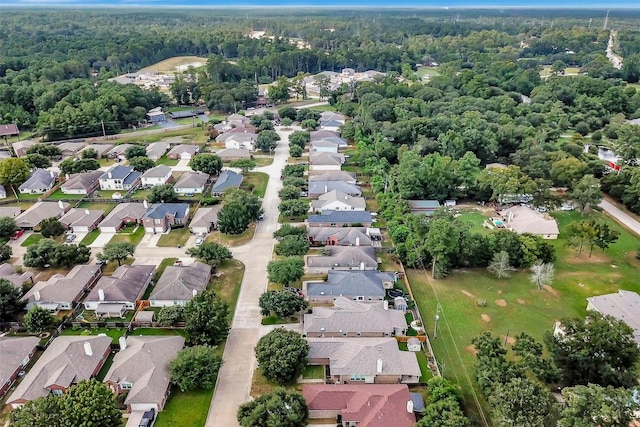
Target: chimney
<point x="326" y="189"/>
<point x="123" y="342"/>
<point x="410" y="406"/>
<point x="86" y="212"/>
<point x="361" y="265"/>
<point x="87" y="349"/>
<point x="109" y="175"/>
<point x="145" y="204"/>
<point x="357" y="241"/>
<point x="66" y="176"/>
<point x="379" y="366"/>
<point x="60" y="204"/>
<point x="36" y="295"/>
<point x="385" y="305"/>
<point x="52" y="173"/>
<point x="101" y="294"/>
<point x="194" y="292"/>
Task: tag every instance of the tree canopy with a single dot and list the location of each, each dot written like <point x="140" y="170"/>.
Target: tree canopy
<point x="281" y="407"/>
<point x="282" y="355"/>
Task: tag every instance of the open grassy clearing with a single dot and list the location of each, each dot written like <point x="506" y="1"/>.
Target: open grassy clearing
<point x="258" y="180"/>
<point x="114" y="333"/>
<point x="323" y="108"/>
<point x="227" y="285"/>
<point x="569" y="71"/>
<point x="262" y="161"/>
<point x="165" y="161"/>
<point x="514" y="305"/>
<point x="185" y="409"/>
<point x="58" y="194"/>
<point x="30" y="240"/>
<point x="232" y="240"/>
<point x="106" y="207"/>
<point x="191" y="135"/>
<point x="427" y="71"/>
<point x="175" y="64"/>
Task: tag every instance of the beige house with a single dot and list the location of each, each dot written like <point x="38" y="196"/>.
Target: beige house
<point x="179" y="284"/>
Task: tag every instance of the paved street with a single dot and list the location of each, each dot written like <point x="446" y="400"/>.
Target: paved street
<point x="621" y="216"/>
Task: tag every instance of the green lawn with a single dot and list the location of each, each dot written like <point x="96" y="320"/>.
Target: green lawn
<point x="114" y="333"/>
<point x="130" y="234"/>
<point x="165" y="161"/>
<point x="195" y="135"/>
<point x="263" y="161"/>
<point x="158" y="331"/>
<point x="515" y="305"/>
<point x="323" y="108"/>
<point x="232" y="240"/>
<point x="27" y="196"/>
<point x="227" y="286"/>
<point x="107" y="194"/>
<point x="110" y="267"/>
<point x="58" y="194"/>
<point x="90" y="237"/>
<point x="105" y="368"/>
<point x="259" y="180"/>
<point x="175" y="237"/>
<point x="427" y="71"/>
<point x="33" y="238"/>
<point x="185" y="409"/>
<point x="106" y="207"/>
<point x="141" y="194"/>
<point x="313" y="372"/>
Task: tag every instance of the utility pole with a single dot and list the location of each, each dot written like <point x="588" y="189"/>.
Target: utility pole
<point x="435" y="324"/>
<point x="104" y="132"/>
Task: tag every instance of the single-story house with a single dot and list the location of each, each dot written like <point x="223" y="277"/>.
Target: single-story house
<point x="155" y="150"/>
<point x="122" y="214"/>
<point x="39" y="182"/>
<point x="119" y="177"/>
<point x="162" y="216"/>
<point x="231" y="154"/>
<point x="155" y="115"/>
<point x="323" y="146"/>
<point x="33" y="216"/>
<point x="82" y="220"/>
<point x="70" y="149"/>
<point x="339" y="236"/>
<point x="10" y="211"/>
<point x="178" y="284"/>
<point x="523" y="219"/>
<point x="18" y="279"/>
<point x="333" y="125"/>
<point x="318" y="188"/>
<point x="15" y="355"/>
<point x="248" y="129"/>
<point x="623" y="305"/>
<point x="341" y="219"/>
<point x="364" y="360"/>
<point x="101" y="149"/>
<point x="367" y="285"/>
<point x="343" y="258"/>
<point x="227" y="179"/>
<point x="424" y="207"/>
<point x="21" y="147"/>
<point x="182" y="152"/>
<point x="82" y="183"/>
<point x="3" y="192"/>
<point x="371" y="405"/>
<point x="62" y="292"/>
<point x="321" y="134"/>
<point x="157" y="175"/>
<point x="348" y="318"/>
<point x="113" y="295"/>
<point x="141" y="370"/>
<point x="327" y="116"/>
<point x="191" y="183"/>
<point x="205" y="220"/>
<point x="325" y="161"/>
<point x="237" y="120"/>
<point x="336" y="200"/>
<point x="245" y="141"/>
<point x="9" y="130"/>
<point x="67" y="361"/>
<point x="333" y="175"/>
<point x="118" y="151"/>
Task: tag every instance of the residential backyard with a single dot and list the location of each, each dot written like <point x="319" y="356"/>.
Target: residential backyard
<point x="514" y="305"/>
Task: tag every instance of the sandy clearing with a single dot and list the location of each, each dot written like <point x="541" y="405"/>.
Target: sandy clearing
<point x="510" y="340"/>
<point x="467" y="293"/>
<point x="471" y="349"/>
<point x="551" y="290"/>
<point x="501" y="303"/>
<point x="486" y="317"/>
<point x="521" y="301"/>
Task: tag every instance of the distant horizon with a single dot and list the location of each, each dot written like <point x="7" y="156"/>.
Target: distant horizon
<point x="570" y="5"/>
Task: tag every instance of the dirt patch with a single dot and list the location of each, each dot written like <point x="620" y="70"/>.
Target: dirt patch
<point x="485" y="317"/>
<point x="510" y="340"/>
<point x="501" y="303"/>
<point x="521" y="301"/>
<point x="467" y="293"/>
<point x="471" y="349"/>
<point x="551" y="290"/>
<point x="500" y="292"/>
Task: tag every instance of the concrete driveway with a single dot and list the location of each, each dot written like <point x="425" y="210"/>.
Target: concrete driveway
<point x="621" y="216"/>
<point x="101" y="240"/>
<point x="234" y="379"/>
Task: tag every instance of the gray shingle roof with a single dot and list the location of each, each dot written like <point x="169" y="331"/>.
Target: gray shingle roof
<point x="101" y="149"/>
<point x="348" y="217"/>
<point x="204" y="217"/>
<point x="10" y="211"/>
<point x="351" y="316"/>
<point x="227" y="179"/>
<point x="125" y="284"/>
<point x="334" y="176"/>
<point x="145" y="364"/>
<point x="38" y="180"/>
<point x="39" y="211"/>
<point x="344" y="235"/>
<point x="350" y="356"/>
<point x="82" y="180"/>
<point x="624" y="305"/>
<point x="123" y="210"/>
<point x="81" y="217"/>
<point x="178" y="283"/>
<point x="117" y="172"/>
<point x="192" y="180"/>
<point x="184" y="148"/>
<point x="18" y="279"/>
<point x="159" y="171"/>
<point x="63" y="363"/>
<point x="322" y="187"/>
<point x="234" y="153"/>
<point x="351" y="284"/>
<point x="60" y="288"/>
<point x="337" y="195"/>
<point x="325" y="158"/>
<point x="157" y="149"/>
<point x="160" y="210"/>
<point x="345" y="256"/>
<point x="13" y="350"/>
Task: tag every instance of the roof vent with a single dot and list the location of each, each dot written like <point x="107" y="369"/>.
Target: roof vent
<point x="87" y="349"/>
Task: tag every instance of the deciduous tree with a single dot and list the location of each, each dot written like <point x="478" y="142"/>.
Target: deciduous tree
<point x="586" y="192"/>
<point x="282" y="355"/>
<point x="281" y="407"/>
<point x="207" y="319"/>
<point x="37" y="161"/>
<point x="163" y="194"/>
<point x="523" y="402"/>
<point x="293" y="208"/>
<point x="10" y="304"/>
<point x="89" y="404"/>
<point x="542" y="274"/>
<point x="289" y="192"/>
<point x="7" y="227"/>
<point x="208" y="163"/>
<point x="13" y="172"/>
<point x="292" y="246"/>
<point x="286" y="271"/>
<point x="245" y="165"/>
<point x="117" y="251"/>
<point x="234" y="218"/>
<point x="594" y="405"/>
<point x="135" y="151"/>
<point x="195" y="368"/>
<point x="169" y="315"/>
<point x="141" y="164"/>
<point x="289" y="230"/>
<point x="267" y="140"/>
<point x="37" y="319"/>
<point x="500" y="265"/>
<point x="211" y="253"/>
<point x="281" y="303"/>
<point x="51" y="227"/>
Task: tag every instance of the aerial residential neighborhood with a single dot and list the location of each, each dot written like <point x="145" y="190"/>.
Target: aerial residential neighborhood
<point x="337" y="219"/>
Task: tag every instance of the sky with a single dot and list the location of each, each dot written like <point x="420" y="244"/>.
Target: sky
<point x="565" y="4"/>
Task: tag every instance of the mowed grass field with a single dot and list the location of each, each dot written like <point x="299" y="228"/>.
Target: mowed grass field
<point x="175" y="64"/>
<point x="514" y="305"/>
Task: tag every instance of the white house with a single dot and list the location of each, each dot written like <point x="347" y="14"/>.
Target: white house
<point x="182" y="152"/>
<point x="336" y="200"/>
<point x="324" y="146"/>
<point x="158" y="175"/>
<point x="119" y="178"/>
<point x="245" y="141"/>
<point x="324" y="161"/>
